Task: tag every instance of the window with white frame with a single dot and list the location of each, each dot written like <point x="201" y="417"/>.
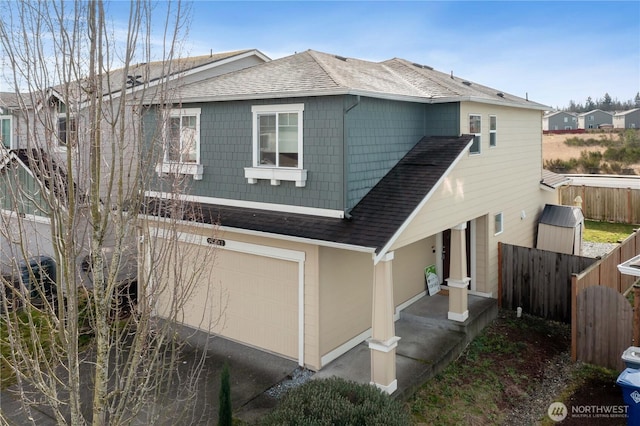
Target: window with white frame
<point x="475" y="128"/>
<point x="66" y="126"/>
<point x="493" y="129"/>
<point x="566" y="119"/>
<point x="498" y="223"/>
<point x="181" y="140"/>
<point x="6" y="132"/>
<point x="277" y="144"/>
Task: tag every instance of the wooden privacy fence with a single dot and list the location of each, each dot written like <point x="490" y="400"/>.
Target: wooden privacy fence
<point x="538" y="281"/>
<point x="620" y="205"/>
<point x="601" y="319"/>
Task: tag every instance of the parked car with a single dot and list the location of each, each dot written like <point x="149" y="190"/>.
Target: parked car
<point x="34" y="280"/>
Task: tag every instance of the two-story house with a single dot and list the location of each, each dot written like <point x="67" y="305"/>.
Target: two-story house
<point x="559" y="120"/>
<point x="594" y="119"/>
<point x="327" y="184"/>
<point x="627" y="119"/>
<point x="40" y="128"/>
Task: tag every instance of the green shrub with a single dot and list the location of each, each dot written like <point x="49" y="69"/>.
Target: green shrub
<point x="336" y="401"/>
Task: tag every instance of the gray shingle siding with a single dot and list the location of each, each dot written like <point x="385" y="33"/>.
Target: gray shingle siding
<point x="379" y="133"/>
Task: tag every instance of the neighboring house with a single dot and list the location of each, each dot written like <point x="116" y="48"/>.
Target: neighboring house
<point x="328" y="184"/>
<point x="25" y="226"/>
<point x="627" y="119"/>
<point x="559" y="120"/>
<point x="36" y="127"/>
<point x="594" y="119"/>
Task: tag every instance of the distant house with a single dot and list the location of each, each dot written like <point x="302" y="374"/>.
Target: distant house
<point x="594" y="119"/>
<point x="559" y="120"/>
<point x="627" y="119"/>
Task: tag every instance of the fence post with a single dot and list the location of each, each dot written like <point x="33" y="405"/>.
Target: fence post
<point x="636" y="314"/>
<point x="500" y="275"/>
<point x="574" y="317"/>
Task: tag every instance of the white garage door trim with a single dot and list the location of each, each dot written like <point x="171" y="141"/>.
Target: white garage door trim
<point x="255" y="249"/>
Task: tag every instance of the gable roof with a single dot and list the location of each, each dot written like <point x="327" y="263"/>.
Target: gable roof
<point x="621" y="113"/>
<point x="594" y="111"/>
<point x="148" y="74"/>
<point x="561" y="216"/>
<point x="313" y="73"/>
<point x="551" y="114"/>
<point x="373" y="222"/>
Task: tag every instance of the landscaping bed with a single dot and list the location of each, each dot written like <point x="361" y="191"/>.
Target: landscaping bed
<point x="510" y="374"/>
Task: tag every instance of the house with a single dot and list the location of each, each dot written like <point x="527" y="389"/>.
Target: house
<point x="627" y="119"/>
<point x="594" y="119"/>
<point x="42" y="127"/>
<point x="559" y="120"/>
<point x="326" y="185"/>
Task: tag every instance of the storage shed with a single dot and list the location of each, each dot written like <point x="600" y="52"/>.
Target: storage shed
<point x="560" y="229"/>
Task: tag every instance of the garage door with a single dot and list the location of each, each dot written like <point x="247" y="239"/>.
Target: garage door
<point x="245" y="292"/>
<point x="262" y="300"/>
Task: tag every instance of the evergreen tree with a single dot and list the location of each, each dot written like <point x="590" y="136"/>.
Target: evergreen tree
<point x="224" y="410"/>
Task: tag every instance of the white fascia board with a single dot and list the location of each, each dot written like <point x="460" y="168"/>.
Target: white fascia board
<point x="282" y="208"/>
<point x="380" y="256"/>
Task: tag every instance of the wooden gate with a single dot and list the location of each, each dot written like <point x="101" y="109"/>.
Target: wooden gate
<point x="604" y="326"/>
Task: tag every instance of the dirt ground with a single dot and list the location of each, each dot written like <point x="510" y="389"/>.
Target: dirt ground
<point x="553" y="146"/>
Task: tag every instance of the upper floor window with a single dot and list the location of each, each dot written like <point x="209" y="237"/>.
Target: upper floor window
<point x="6" y="133"/>
<point x="475" y="128"/>
<point x="566" y="119"/>
<point x="277" y="144"/>
<point x="181" y="143"/>
<point x="493" y="129"/>
<point x="182" y="136"/>
<point x="66" y="128"/>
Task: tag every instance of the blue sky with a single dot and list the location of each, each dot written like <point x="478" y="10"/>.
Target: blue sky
<point x="553" y="51"/>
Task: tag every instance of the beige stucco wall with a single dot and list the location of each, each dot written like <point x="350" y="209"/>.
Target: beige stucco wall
<point x="505" y="178"/>
<point x="408" y="269"/>
<point x="346" y="283"/>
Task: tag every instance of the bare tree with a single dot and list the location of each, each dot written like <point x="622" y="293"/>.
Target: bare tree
<point x="78" y="349"/>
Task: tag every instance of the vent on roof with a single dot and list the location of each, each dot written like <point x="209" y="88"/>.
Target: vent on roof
<point x="134" y="80"/>
<point x="466" y="83"/>
<point x="426" y="67"/>
<point x="500" y="94"/>
<point x="342" y="58"/>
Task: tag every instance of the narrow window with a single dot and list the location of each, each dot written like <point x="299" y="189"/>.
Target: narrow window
<point x="475" y="128"/>
<point x="498" y="224"/>
<point x="493" y="130"/>
<point x="5" y="131"/>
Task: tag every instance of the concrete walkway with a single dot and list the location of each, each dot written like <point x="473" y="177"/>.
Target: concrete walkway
<point x="429" y="342"/>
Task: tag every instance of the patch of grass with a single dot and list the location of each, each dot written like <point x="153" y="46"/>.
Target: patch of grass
<point x="603" y="140"/>
<point x="493" y="374"/>
<point x="606" y="232"/>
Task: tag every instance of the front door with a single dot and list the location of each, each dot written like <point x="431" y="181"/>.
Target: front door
<point x="446" y="252"/>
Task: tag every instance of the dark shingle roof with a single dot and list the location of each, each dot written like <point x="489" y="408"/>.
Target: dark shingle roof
<point x="374" y="220"/>
<point x="553" y="180"/>
<point x="561" y="216"/>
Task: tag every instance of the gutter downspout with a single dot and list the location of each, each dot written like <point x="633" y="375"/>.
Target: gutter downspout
<point x="347" y="211"/>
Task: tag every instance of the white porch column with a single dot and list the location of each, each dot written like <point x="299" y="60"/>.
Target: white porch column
<point x="458" y="280"/>
<point x="383" y="342"/>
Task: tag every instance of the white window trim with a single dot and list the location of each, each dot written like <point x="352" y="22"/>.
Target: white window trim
<point x="178" y="167"/>
<point x="476" y="134"/>
<point x="493" y="132"/>
<point x="10" y="118"/>
<point x="276" y="174"/>
<point x="501" y="230"/>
